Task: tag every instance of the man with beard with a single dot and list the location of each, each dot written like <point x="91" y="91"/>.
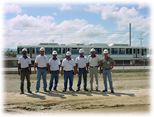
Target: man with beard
<point x="107" y="66"/>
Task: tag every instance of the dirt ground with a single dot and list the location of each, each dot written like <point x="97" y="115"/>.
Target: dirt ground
<point x="132" y="94"/>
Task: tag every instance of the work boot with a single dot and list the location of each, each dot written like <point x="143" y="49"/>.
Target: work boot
<point x="85" y="89"/>
<point x="112" y="91"/>
<point x="29" y="91"/>
<point x="64" y="90"/>
<point x="78" y="90"/>
<point x="22" y="92"/>
<point x="104" y="91"/>
<point x="71" y="89"/>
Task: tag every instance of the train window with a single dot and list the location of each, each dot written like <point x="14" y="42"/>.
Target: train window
<point x="37" y="50"/>
<point x="19" y="50"/>
<point x="31" y="50"/>
<point x="134" y="51"/>
<point x="48" y="50"/>
<point x="64" y="50"/>
<point x="58" y="50"/>
<point x="68" y="49"/>
<point x="75" y="51"/>
<point x="128" y="51"/>
<point x="122" y="50"/>
<point x="138" y="51"/>
<point x="114" y="50"/>
<point x="144" y="52"/>
<point x="98" y="50"/>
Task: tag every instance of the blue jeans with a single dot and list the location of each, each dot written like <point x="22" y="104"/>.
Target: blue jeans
<point x="107" y="75"/>
<point x="82" y="73"/>
<point x="54" y="76"/>
<point x="68" y="75"/>
<point x="41" y="72"/>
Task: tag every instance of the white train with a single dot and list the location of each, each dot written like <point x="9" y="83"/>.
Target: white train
<point x="121" y="53"/>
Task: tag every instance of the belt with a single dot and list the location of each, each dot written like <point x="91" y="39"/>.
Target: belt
<point x="42" y="67"/>
<point x="93" y="66"/>
<point x="55" y="71"/>
<point x="106" y="69"/>
<point x="24" y="68"/>
<point x="68" y="71"/>
<point x="82" y="68"/>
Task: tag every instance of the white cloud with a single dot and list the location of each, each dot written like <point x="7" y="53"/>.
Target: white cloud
<point x="12" y="8"/>
<point x="65" y="7"/>
<point x="24" y="29"/>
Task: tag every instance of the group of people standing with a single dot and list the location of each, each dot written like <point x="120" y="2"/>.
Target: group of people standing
<point x="67" y="68"/>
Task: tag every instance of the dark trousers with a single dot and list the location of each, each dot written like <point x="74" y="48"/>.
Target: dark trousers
<point x="68" y="75"/>
<point x="82" y="73"/>
<point x="54" y="77"/>
<point x="25" y="73"/>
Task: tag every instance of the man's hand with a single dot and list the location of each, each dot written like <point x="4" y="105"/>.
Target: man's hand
<point x="18" y="72"/>
<point x="111" y="67"/>
<point x="75" y="72"/>
<point x="62" y="72"/>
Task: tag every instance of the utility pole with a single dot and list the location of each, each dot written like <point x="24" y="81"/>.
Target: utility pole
<point x="130" y="35"/>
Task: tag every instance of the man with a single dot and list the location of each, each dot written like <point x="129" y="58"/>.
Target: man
<point x="93" y="62"/>
<point x="107" y="64"/>
<point x="68" y="66"/>
<point x="81" y="64"/>
<point x="54" y="64"/>
<point x="41" y="62"/>
<point x="24" y="70"/>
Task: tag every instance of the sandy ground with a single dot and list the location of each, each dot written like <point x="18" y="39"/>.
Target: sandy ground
<point x="132" y="94"/>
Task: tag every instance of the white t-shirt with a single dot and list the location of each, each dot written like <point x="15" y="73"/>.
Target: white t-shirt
<point x="24" y="62"/>
<point x="81" y="61"/>
<point x="41" y="61"/>
<point x="68" y="65"/>
<point x="54" y="64"/>
<point x="93" y="61"/>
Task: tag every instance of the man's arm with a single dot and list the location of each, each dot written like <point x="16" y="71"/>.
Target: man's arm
<point x="48" y="67"/>
<point x="30" y="68"/>
<point x="112" y="64"/>
<point x="35" y="66"/>
<point x="76" y="68"/>
<point x="100" y="65"/>
<point x="62" y="71"/>
<point x="19" y="68"/>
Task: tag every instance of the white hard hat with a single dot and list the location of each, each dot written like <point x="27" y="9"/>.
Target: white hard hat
<point x="68" y="53"/>
<point x="92" y="50"/>
<point x="81" y="51"/>
<point x="24" y="49"/>
<point x="105" y="51"/>
<point x="42" y="49"/>
<point x="54" y="52"/>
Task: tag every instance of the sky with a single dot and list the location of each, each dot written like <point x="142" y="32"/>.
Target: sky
<point x="64" y="23"/>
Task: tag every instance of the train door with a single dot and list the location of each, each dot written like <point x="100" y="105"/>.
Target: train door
<point x="31" y="52"/>
<point x="136" y="52"/>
